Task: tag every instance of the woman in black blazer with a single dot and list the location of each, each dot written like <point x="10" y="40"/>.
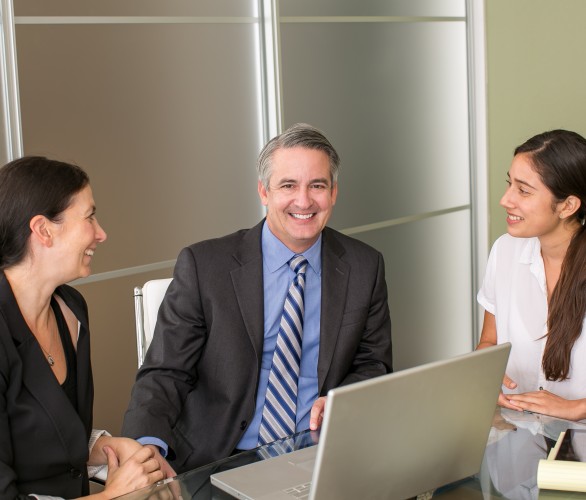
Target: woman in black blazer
<point x="48" y="235"/>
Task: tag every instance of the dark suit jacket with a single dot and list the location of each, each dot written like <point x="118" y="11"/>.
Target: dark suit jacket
<point x="197" y="388"/>
<point x="43" y="440"/>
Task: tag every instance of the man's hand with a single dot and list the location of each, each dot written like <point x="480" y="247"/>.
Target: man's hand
<point x="317" y="413"/>
<point x="165" y="467"/>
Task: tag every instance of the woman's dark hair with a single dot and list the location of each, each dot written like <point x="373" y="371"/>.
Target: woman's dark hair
<point x="30" y="186"/>
<point x="559" y="157"/>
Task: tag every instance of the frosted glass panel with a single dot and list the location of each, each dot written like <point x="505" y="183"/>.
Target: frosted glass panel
<point x="135" y="8"/>
<point x="372" y="8"/>
<point x="165" y="118"/>
<point x="392" y="97"/>
<point x="428" y="275"/>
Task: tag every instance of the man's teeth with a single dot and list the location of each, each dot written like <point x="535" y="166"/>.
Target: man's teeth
<point x="515" y="217"/>
<point x="302" y="216"/>
<point x="89" y="252"/>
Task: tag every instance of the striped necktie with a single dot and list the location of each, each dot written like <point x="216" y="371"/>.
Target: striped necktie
<point x="280" y="409"/>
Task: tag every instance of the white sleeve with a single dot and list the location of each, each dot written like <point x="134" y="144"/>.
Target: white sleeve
<point x="486" y="295"/>
<point x="99" y="471"/>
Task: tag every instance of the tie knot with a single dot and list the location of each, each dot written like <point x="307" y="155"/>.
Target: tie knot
<point x="298" y="264"/>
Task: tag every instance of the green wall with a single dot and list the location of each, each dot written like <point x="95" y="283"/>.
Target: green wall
<point x="536" y="72"/>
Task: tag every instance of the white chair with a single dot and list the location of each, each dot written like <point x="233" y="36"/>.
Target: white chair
<point x="147" y="300"/>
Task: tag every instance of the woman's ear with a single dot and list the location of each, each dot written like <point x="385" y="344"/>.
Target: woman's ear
<point x="569" y="206"/>
<point x="40" y="229"/>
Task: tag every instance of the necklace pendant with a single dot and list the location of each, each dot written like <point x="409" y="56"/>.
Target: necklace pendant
<point x="50" y="360"/>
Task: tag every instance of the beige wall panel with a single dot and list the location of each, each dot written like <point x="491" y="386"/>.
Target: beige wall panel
<point x="372" y="8"/>
<point x="429" y="287"/>
<point x="134" y="8"/>
<point x="166" y="120"/>
<point x="162" y="117"/>
<point x="113" y="341"/>
<point x="536" y="80"/>
<point x="398" y="118"/>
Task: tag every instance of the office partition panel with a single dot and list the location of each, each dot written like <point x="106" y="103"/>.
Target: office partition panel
<point x="167" y="104"/>
<point x="393" y="98"/>
<point x="388" y="82"/>
<point x="166" y="127"/>
<point x="428" y="277"/>
<point x="160" y="103"/>
<point x="136" y="8"/>
<point x="378" y="8"/>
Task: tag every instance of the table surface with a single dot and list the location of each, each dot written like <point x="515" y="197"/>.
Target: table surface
<point x="516" y="443"/>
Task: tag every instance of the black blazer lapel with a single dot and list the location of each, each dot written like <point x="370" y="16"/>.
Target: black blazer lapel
<point x="248" y="281"/>
<point x="39" y="379"/>
<point x="85" y="386"/>
<point x="335" y="275"/>
<point x="43" y="386"/>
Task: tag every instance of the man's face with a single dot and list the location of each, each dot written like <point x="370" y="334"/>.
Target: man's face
<point x="300" y="197"/>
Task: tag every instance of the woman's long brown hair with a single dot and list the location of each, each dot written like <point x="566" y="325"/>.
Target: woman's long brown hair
<point x="559" y="157"/>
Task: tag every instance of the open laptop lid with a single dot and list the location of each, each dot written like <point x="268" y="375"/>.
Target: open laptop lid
<point x="391" y="437"/>
<point x="406" y="433"/>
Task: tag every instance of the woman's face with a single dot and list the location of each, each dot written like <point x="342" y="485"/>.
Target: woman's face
<point x="77" y="235"/>
<point x="532" y="210"/>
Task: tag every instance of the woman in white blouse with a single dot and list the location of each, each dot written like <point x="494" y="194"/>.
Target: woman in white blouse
<point x="534" y="291"/>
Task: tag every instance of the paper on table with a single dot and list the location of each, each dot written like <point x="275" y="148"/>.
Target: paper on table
<point x="563" y="469"/>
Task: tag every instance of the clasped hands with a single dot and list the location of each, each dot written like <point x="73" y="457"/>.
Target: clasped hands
<point x="131" y="466"/>
<point x="541" y="401"/>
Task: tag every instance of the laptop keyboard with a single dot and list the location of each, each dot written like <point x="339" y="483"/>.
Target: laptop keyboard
<point x="300" y="491"/>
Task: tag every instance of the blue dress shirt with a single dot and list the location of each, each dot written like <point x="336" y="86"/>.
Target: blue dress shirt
<point x="277" y="277"/>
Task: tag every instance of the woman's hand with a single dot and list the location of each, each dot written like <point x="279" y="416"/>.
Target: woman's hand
<point x="504" y="398"/>
<point x="547" y="403"/>
<point x="124" y="448"/>
<point x="139" y="470"/>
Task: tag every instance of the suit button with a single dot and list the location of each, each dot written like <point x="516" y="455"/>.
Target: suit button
<point x="75" y="473"/>
<point x="243" y="425"/>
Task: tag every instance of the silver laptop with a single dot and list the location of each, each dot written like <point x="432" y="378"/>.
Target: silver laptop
<point x="390" y="437"/>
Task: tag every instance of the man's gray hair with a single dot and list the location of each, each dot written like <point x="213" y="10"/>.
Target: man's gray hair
<point x="299" y="135"/>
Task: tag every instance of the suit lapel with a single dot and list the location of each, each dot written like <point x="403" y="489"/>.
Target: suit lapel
<point x="248" y="286"/>
<point x="85" y="386"/>
<point x="38" y="377"/>
<point x="42" y="384"/>
<point x="335" y="275"/>
<point x="85" y="390"/>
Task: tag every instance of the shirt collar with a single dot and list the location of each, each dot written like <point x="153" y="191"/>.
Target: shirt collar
<point x="531" y="255"/>
<point x="531" y="251"/>
<point x="276" y="254"/>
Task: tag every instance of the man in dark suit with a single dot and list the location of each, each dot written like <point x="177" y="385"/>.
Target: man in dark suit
<point x="201" y="393"/>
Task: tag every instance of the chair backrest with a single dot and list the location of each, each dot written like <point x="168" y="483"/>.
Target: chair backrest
<point x="147" y="300"/>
